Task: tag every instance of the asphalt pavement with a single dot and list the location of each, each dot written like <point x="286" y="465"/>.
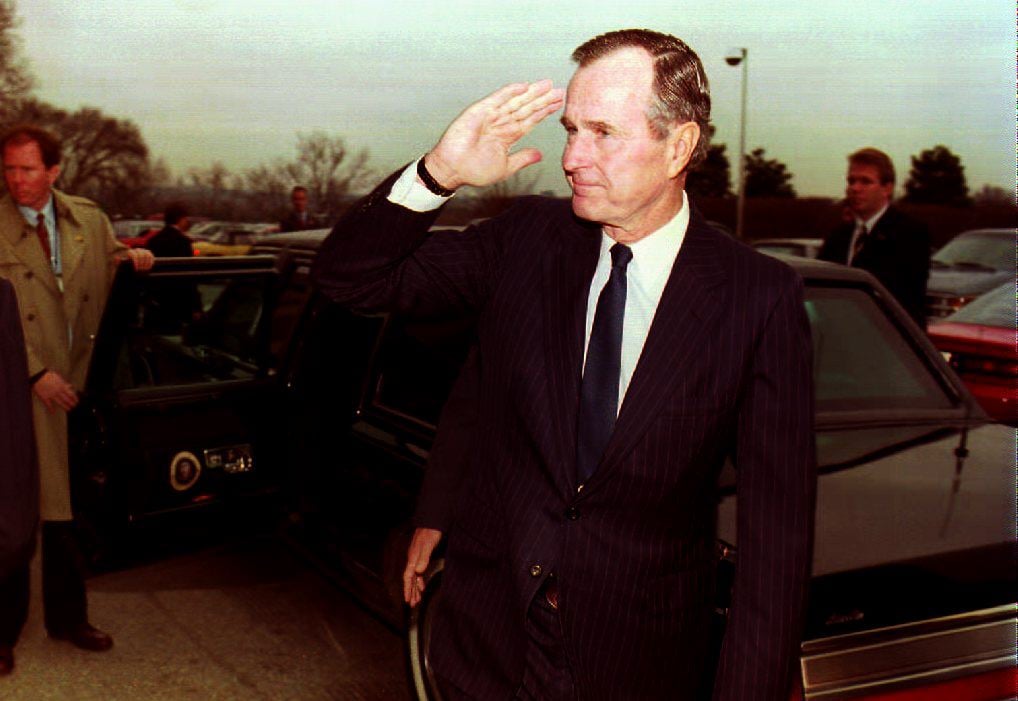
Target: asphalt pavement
<point x="245" y="619"/>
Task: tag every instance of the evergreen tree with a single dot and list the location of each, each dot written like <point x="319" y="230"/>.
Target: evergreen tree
<point x="937" y="177"/>
<point x="767" y="177"/>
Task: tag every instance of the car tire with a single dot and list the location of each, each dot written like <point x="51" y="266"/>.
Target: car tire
<point x="418" y="639"/>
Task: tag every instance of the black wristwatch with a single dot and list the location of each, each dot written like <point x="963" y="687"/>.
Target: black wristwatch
<point x="430" y="182"/>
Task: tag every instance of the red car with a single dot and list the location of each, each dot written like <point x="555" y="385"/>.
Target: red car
<point x="981" y="343"/>
<point x="136" y="232"/>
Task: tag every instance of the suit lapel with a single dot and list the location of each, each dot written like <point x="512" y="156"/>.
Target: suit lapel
<point x="567" y="279"/>
<point x="684" y="318"/>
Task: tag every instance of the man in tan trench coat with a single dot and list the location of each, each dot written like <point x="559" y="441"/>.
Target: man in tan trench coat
<point x="60" y="254"/>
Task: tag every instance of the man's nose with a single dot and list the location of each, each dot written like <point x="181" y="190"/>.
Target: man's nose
<point x="576" y="153"/>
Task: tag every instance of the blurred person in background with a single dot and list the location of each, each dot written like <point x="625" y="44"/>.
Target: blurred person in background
<point x="879" y="237"/>
<point x="172" y="241"/>
<point x="299" y="218"/>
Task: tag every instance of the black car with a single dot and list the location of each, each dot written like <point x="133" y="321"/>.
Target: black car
<point x="971" y="263"/>
<point x="183" y="401"/>
<point x="234" y="370"/>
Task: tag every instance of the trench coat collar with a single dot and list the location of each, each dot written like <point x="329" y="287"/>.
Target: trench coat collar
<point x="22" y="243"/>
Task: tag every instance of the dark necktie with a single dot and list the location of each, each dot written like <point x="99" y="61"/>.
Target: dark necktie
<point x="860" y="241"/>
<point x="43" y="233"/>
<point x="599" y="390"/>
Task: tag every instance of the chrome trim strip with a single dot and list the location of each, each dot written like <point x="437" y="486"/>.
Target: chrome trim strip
<point x="909" y="655"/>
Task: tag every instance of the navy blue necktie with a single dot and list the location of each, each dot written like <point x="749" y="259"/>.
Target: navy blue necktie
<point x="599" y="390"/>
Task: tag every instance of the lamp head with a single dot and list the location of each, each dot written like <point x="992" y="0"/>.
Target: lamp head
<point x="735" y="56"/>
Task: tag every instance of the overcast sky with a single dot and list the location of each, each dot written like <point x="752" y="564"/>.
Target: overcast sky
<point x="236" y="81"/>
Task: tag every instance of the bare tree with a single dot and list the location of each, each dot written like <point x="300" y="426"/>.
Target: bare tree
<point x="212" y="190"/>
<point x="104" y="158"/>
<point x="324" y="165"/>
<point x="15" y="79"/>
<point x="268" y="187"/>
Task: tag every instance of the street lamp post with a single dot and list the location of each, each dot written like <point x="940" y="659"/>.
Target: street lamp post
<point x="734" y="58"/>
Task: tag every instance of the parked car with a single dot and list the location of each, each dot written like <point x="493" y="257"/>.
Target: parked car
<point x="971" y="263"/>
<point x="914" y="586"/>
<point x="228" y="238"/>
<point x="981" y="344"/>
<point x="183" y="402"/>
<point x="222" y="378"/>
<point x="803" y="248"/>
<point x="136" y="232"/>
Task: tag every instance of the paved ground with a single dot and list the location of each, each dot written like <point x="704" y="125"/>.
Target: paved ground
<point x="244" y="620"/>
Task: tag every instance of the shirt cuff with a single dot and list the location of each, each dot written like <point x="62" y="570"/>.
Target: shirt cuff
<point x="408" y="192"/>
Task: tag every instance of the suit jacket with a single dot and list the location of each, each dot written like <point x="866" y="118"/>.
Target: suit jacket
<point x="725" y="371"/>
<point x="293" y="223"/>
<point x="170" y="242"/>
<point x="59" y="326"/>
<point x="896" y="252"/>
<point x="19" y="497"/>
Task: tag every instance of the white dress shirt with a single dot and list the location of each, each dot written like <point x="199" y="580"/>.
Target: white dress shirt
<point x="646" y="275"/>
<point x="859" y="224"/>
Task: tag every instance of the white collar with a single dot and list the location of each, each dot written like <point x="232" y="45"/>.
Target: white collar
<point x="654" y="254"/>
<point x="872" y="221"/>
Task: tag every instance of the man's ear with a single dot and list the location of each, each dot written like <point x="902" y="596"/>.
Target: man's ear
<point x="888" y="190"/>
<point x="682" y="141"/>
<point x="52" y="174"/>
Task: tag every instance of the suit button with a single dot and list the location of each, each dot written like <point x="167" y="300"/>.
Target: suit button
<point x="29" y="275"/>
<point x="535" y="570"/>
<point x="30" y="317"/>
<point x="84" y="297"/>
<point x="572" y="513"/>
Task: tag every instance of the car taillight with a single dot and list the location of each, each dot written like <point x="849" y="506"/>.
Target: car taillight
<point x="982" y="365"/>
<point x="997" y="685"/>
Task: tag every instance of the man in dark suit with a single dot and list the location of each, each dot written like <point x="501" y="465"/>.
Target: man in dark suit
<point x="19" y="498"/>
<point x="879" y="237"/>
<point x="299" y="219"/>
<point x="171" y="241"/>
<point x="626" y="349"/>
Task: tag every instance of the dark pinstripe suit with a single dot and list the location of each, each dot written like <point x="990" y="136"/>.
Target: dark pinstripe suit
<point x="725" y="371"/>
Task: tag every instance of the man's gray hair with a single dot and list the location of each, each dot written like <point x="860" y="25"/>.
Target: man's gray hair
<point x="681" y="91"/>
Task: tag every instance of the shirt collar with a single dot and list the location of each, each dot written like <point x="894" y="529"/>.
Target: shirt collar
<point x="654" y="254"/>
<point x="872" y="221"/>
<point x="32" y="215"/>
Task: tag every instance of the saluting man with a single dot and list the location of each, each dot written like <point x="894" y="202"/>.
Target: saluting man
<point x="60" y="254"/>
<point x="626" y="348"/>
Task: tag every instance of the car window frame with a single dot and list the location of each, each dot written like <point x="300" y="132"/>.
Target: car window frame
<point x="112" y="332"/>
<point x="964" y="412"/>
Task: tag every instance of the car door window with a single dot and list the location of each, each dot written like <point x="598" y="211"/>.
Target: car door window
<point x="194" y="330"/>
<point x="419" y="363"/>
<point x="861" y="359"/>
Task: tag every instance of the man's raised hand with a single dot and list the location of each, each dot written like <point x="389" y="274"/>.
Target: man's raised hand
<point x="475" y="149"/>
